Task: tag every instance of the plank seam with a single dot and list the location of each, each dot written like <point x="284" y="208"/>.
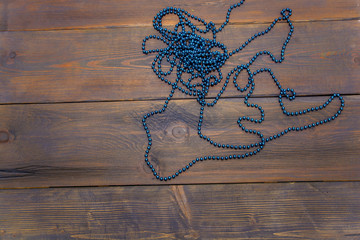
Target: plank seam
<point x="161" y="99"/>
<point x="182" y="184"/>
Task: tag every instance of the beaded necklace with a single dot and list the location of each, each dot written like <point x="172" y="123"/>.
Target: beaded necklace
<point x="189" y="52"/>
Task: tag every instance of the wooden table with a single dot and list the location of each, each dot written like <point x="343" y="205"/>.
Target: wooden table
<point x="75" y="85"/>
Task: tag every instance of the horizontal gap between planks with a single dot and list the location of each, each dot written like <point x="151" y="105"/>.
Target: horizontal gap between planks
<point x="163" y="98"/>
<point x="150" y="25"/>
<point x="177" y="184"/>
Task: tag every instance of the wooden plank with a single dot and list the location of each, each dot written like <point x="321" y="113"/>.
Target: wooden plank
<point x="3" y="15"/>
<point x="84" y="144"/>
<point x="230" y="211"/>
<point x="68" y="14"/>
<point x="98" y="65"/>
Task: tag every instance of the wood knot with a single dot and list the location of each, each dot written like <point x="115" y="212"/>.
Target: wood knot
<point x="12" y="55"/>
<point x="357" y="60"/>
<point x="11" y="58"/>
<point x="179" y="132"/>
<point x="4" y="136"/>
<point x="176" y="132"/>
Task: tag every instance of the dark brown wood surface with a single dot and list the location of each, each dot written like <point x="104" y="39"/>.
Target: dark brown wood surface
<point x="68" y="14"/>
<point x="75" y="85"/>
<point x="104" y="143"/>
<point x="225" y="211"/>
<point x="105" y="64"/>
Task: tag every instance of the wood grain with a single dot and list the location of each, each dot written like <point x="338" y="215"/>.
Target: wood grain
<point x="107" y="64"/>
<point x="68" y="14"/>
<point x="231" y="211"/>
<point x="75" y="85"/>
<point x="83" y="144"/>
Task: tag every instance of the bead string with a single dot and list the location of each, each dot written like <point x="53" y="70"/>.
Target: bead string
<point x="191" y="53"/>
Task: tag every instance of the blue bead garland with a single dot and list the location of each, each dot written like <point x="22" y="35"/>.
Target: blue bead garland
<point x="191" y="53"/>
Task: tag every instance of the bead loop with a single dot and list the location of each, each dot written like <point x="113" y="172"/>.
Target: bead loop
<point x="286" y="13"/>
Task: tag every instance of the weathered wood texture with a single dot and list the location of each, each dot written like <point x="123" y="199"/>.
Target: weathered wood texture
<point x="56" y="53"/>
<point x="107" y="64"/>
<point x="103" y="143"/>
<point x="246" y="211"/>
<point x="68" y="14"/>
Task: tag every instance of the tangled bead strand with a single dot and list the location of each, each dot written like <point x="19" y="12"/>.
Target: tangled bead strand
<point x="188" y="52"/>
